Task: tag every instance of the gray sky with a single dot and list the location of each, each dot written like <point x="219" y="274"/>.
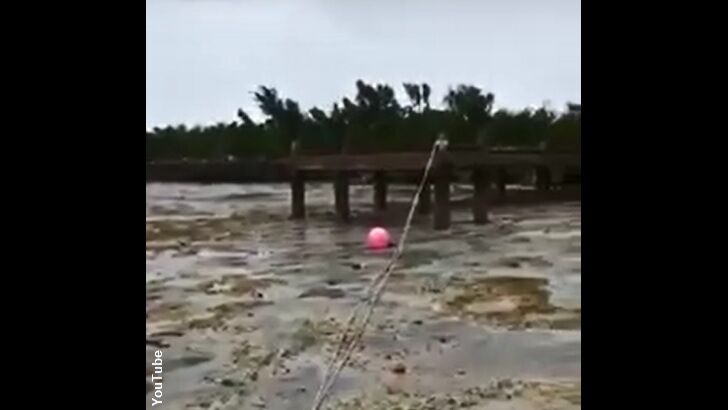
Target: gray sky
<point x="205" y="57"/>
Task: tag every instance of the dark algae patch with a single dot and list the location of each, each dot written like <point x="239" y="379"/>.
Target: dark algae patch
<point x="515" y="302"/>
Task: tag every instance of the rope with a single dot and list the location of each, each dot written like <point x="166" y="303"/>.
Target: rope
<point x="349" y="341"/>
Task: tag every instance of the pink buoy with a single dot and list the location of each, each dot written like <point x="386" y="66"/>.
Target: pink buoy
<point x="378" y="238"/>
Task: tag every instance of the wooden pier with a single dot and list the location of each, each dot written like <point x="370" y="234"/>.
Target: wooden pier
<point x="486" y="167"/>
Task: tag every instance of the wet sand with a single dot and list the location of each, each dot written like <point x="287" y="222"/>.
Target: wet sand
<point x="246" y="304"/>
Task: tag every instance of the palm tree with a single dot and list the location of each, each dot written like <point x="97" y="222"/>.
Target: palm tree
<point x="372" y="121"/>
<point x="284" y="117"/>
<point x="268" y="101"/>
<point x="469" y="112"/>
<point x="245" y="118"/>
<point x="573" y="108"/>
<point x="414" y="94"/>
<point x="426" y="95"/>
<point x="469" y="103"/>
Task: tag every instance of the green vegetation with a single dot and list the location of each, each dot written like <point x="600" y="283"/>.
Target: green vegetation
<point x="373" y="122"/>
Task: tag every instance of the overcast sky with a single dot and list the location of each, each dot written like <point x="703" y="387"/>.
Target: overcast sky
<point x="205" y="57"/>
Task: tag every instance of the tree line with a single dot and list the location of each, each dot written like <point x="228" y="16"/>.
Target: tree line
<point x="374" y="121"/>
